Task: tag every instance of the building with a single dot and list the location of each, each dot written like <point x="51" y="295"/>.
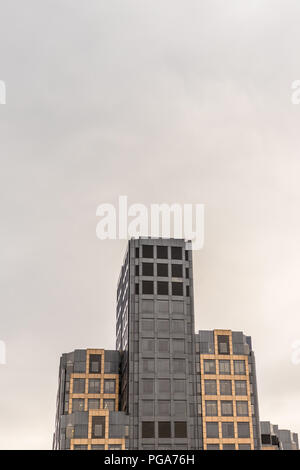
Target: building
<point x="155" y="335"/>
<point x="227" y="391"/>
<point x="88" y="415"/>
<point x="273" y="438"/>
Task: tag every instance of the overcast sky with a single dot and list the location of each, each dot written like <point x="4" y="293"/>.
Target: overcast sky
<point x="162" y="101"/>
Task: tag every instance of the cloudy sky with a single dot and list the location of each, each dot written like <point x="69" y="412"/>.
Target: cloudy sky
<point x="162" y="101"/>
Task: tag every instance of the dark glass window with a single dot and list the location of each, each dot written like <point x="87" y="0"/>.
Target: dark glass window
<point x="176" y="270"/>
<point x="94" y="385"/>
<point x="243" y="430"/>
<point x="187" y="291"/>
<point x="240" y="387"/>
<point x="209" y="366"/>
<point x="226" y="408"/>
<point x="176" y="252"/>
<point x="187" y="273"/>
<point x="98" y="427"/>
<point x="210" y="387"/>
<point x="137" y="289"/>
<point x="227" y="430"/>
<point x="162" y="288"/>
<point x="95" y="364"/>
<point x="147" y="269"/>
<point x="109" y="386"/>
<point x="162" y="252"/>
<point x="223" y="344"/>
<point x="225" y="387"/>
<point x="147" y="287"/>
<point x="211" y="408"/>
<point x="137" y="270"/>
<point x="137" y="252"/>
<point x="148" y="430"/>
<point x="212" y="430"/>
<point x="180" y="429"/>
<point x="162" y="270"/>
<point x="164" y="429"/>
<point x="177" y="288"/>
<point x="147" y="251"/>
<point x="78" y="385"/>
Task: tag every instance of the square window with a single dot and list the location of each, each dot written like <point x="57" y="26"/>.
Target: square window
<point x="94" y="403"/>
<point x="178" y="326"/>
<point x="244" y="447"/>
<point x="78" y="385"/>
<point x="163" y="345"/>
<point x="162" y="288"/>
<point x="228" y="446"/>
<point x="176" y="270"/>
<point x="109" y="404"/>
<point x="148" y="287"/>
<point x="164" y="429"/>
<point x="148" y="408"/>
<point x="226" y="408"/>
<point x="148" y="326"/>
<point x="209" y="366"/>
<point x="242" y="408"/>
<point x="212" y="430"/>
<point x="223" y="344"/>
<point x="164" y="386"/>
<point x="162" y="270"/>
<point x="176" y="252"/>
<point x="162" y="252"/>
<point x="177" y="288"/>
<point x="227" y="430"/>
<point x="239" y="367"/>
<point x="180" y="429"/>
<point x="164" y="407"/>
<point x="148" y="386"/>
<point x="94" y="385"/>
<point x="179" y="386"/>
<point x="211" y="408"/>
<point x="148" y="365"/>
<point x="148" y="345"/>
<point x="77" y="404"/>
<point x="95" y="364"/>
<point x="148" y="430"/>
<point x="109" y="386"/>
<point x="147" y="306"/>
<point x="225" y="387"/>
<point x="224" y="367"/>
<point x="180" y="408"/>
<point x="179" y="365"/>
<point x="243" y="430"/>
<point x="210" y="387"/>
<point x="179" y="345"/>
<point x="240" y="387"/>
<point x="163" y="365"/>
<point x="178" y="306"/>
<point x="163" y="326"/>
<point x="147" y="269"/>
<point x="147" y="251"/>
<point x="163" y="306"/>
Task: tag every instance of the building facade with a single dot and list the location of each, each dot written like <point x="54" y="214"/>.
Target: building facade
<point x="227" y="391"/>
<point x="273" y="438"/>
<point x="88" y="416"/>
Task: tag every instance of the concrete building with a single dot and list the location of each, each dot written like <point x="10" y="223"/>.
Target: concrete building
<point x="227" y="391"/>
<point x="88" y="402"/>
<point x="273" y="438"/>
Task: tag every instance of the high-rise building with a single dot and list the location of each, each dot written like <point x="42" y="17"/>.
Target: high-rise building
<point x="155" y="335"/>
<point x="88" y="402"/>
<point x="227" y="391"/>
<point x="273" y="438"/>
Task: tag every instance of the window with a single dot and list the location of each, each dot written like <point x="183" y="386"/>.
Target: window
<point x="147" y="287"/>
<point x="137" y="270"/>
<point x="147" y="269"/>
<point x="81" y="431"/>
<point x="209" y="366"/>
<point x="148" y="408"/>
<point x="94" y="385"/>
<point x="225" y="387"/>
<point x="239" y="367"/>
<point x="114" y="447"/>
<point x="227" y="430"/>
<point x="178" y="306"/>
<point x="212" y="430"/>
<point x="163" y="306"/>
<point x="176" y="252"/>
<point x="109" y="386"/>
<point x="243" y="430"/>
<point x="178" y="345"/>
<point x="162" y="252"/>
<point x="180" y="429"/>
<point x="226" y="408"/>
<point x="94" y="403"/>
<point x="187" y="291"/>
<point x="163" y="326"/>
<point x="177" y="288"/>
<point x="78" y="385"/>
<point x="148" y="386"/>
<point x="179" y="365"/>
<point x="148" y="345"/>
<point x="69" y="431"/>
<point x="162" y="270"/>
<point x="80" y="447"/>
<point x="210" y="387"/>
<point x="224" y="367"/>
<point x="148" y="430"/>
<point x="164" y="386"/>
<point x="98" y="427"/>
<point x="97" y="447"/>
<point x="179" y="386"/>
<point x="163" y="345"/>
<point x="147" y="306"/>
<point x="137" y="253"/>
<point x="162" y="288"/>
<point x="109" y="404"/>
<point x="244" y="447"/>
<point x="95" y="364"/>
<point x="180" y="408"/>
<point x="147" y="251"/>
<point x="242" y="408"/>
<point x="178" y="326"/>
<point x="213" y="447"/>
<point x="164" y="429"/>
<point x="211" y="408"/>
<point x="176" y="270"/>
<point x="164" y="407"/>
<point x="240" y="387"/>
<point x="77" y="404"/>
<point x="163" y="365"/>
<point x="137" y="289"/>
<point x="187" y="273"/>
<point x="228" y="446"/>
<point x="186" y="255"/>
<point x="223" y="344"/>
<point x="148" y="325"/>
<point x="148" y="365"/>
